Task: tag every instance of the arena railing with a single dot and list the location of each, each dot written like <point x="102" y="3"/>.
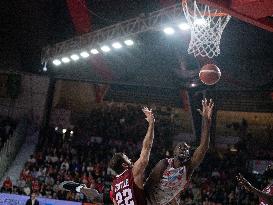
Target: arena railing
<point x="12" y="146"/>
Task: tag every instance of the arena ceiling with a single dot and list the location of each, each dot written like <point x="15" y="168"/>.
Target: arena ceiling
<point x="27" y="26"/>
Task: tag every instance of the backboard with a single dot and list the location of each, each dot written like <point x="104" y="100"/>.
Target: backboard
<point x="256" y="12"/>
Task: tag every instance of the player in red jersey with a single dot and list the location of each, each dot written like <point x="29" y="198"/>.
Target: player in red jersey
<point x="266" y="195"/>
<point x="128" y="186"/>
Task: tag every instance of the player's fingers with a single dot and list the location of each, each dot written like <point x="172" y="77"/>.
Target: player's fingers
<point x="210" y="102"/>
<point x="212" y="105"/>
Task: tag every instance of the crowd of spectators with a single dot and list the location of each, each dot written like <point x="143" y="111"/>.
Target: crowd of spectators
<point x="83" y="156"/>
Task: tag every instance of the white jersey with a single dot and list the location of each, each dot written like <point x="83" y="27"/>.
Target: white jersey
<point x="172" y="182"/>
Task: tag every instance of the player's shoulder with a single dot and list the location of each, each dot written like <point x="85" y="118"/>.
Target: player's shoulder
<point x="123" y="174"/>
<point x="162" y="164"/>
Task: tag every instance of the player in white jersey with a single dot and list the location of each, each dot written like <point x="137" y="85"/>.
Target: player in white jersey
<point x="171" y="176"/>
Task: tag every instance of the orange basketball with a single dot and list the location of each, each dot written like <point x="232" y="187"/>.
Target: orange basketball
<point x="209" y="74"/>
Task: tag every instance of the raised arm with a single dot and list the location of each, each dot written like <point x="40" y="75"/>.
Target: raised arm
<point x="248" y="186"/>
<point x="142" y="162"/>
<point x="201" y="150"/>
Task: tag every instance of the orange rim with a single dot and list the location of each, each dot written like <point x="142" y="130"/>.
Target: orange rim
<point x="206" y="14"/>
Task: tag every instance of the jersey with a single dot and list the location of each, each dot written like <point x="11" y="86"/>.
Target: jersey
<point x="125" y="191"/>
<point x="268" y="190"/>
<point x="172" y="182"/>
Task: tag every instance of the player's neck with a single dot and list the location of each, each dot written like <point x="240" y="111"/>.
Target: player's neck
<point x="177" y="163"/>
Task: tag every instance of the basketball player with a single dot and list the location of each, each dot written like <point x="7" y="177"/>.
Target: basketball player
<point x="266" y="195"/>
<point x="170" y="176"/>
<point x="128" y="186"/>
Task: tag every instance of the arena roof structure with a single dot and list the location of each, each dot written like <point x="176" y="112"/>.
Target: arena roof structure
<point x="245" y="60"/>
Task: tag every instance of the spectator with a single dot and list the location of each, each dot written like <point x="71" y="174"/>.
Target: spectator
<point x="7" y="185"/>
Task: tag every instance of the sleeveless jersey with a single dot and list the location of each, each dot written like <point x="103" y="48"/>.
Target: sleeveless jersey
<point x="172" y="182"/>
<point x="125" y="191"/>
<point x="268" y="190"/>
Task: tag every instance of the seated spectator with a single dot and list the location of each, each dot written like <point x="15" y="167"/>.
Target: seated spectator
<point x="7" y="185"/>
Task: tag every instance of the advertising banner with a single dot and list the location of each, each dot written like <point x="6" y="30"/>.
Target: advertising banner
<point x="12" y="199"/>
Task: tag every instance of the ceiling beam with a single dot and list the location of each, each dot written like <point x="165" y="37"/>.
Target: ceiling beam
<point x="142" y="23"/>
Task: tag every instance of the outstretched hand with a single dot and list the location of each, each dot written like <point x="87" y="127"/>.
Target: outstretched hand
<point x="207" y="110"/>
<point x="149" y="114"/>
<point x="244" y="183"/>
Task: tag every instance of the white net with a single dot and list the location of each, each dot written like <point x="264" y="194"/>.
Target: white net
<point x="207" y="25"/>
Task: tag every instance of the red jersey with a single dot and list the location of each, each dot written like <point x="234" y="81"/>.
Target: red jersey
<point x="268" y="190"/>
<point x="35" y="186"/>
<point x="7" y="184"/>
<point x="125" y="191"/>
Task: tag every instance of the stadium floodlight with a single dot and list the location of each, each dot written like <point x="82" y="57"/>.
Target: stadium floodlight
<point x="45" y="68"/>
<point x="129" y="42"/>
<point x="84" y="54"/>
<point x="116" y="45"/>
<point x="105" y="48"/>
<point x="94" y="51"/>
<point x="184" y="26"/>
<point x="74" y="57"/>
<point x="56" y="62"/>
<point x="65" y="60"/>
<point x="193" y="85"/>
<point x="169" y="30"/>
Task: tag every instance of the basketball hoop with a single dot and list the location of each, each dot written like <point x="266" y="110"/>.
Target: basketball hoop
<point x="207" y="25"/>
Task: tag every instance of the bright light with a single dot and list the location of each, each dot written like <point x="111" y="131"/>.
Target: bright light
<point x="116" y="45"/>
<point x="200" y="22"/>
<point x="105" y="48"/>
<point x="56" y="128"/>
<point x="84" y="54"/>
<point x="233" y="148"/>
<point x="65" y="60"/>
<point x="129" y="42"/>
<point x="57" y="62"/>
<point x="71" y="133"/>
<point x="44" y="68"/>
<point x="169" y="30"/>
<point x="94" y="51"/>
<point x="74" y="57"/>
<point x="64" y="131"/>
<point x="184" y="26"/>
<point x="193" y="85"/>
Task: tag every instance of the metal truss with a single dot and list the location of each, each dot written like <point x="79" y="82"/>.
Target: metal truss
<point x="143" y="23"/>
